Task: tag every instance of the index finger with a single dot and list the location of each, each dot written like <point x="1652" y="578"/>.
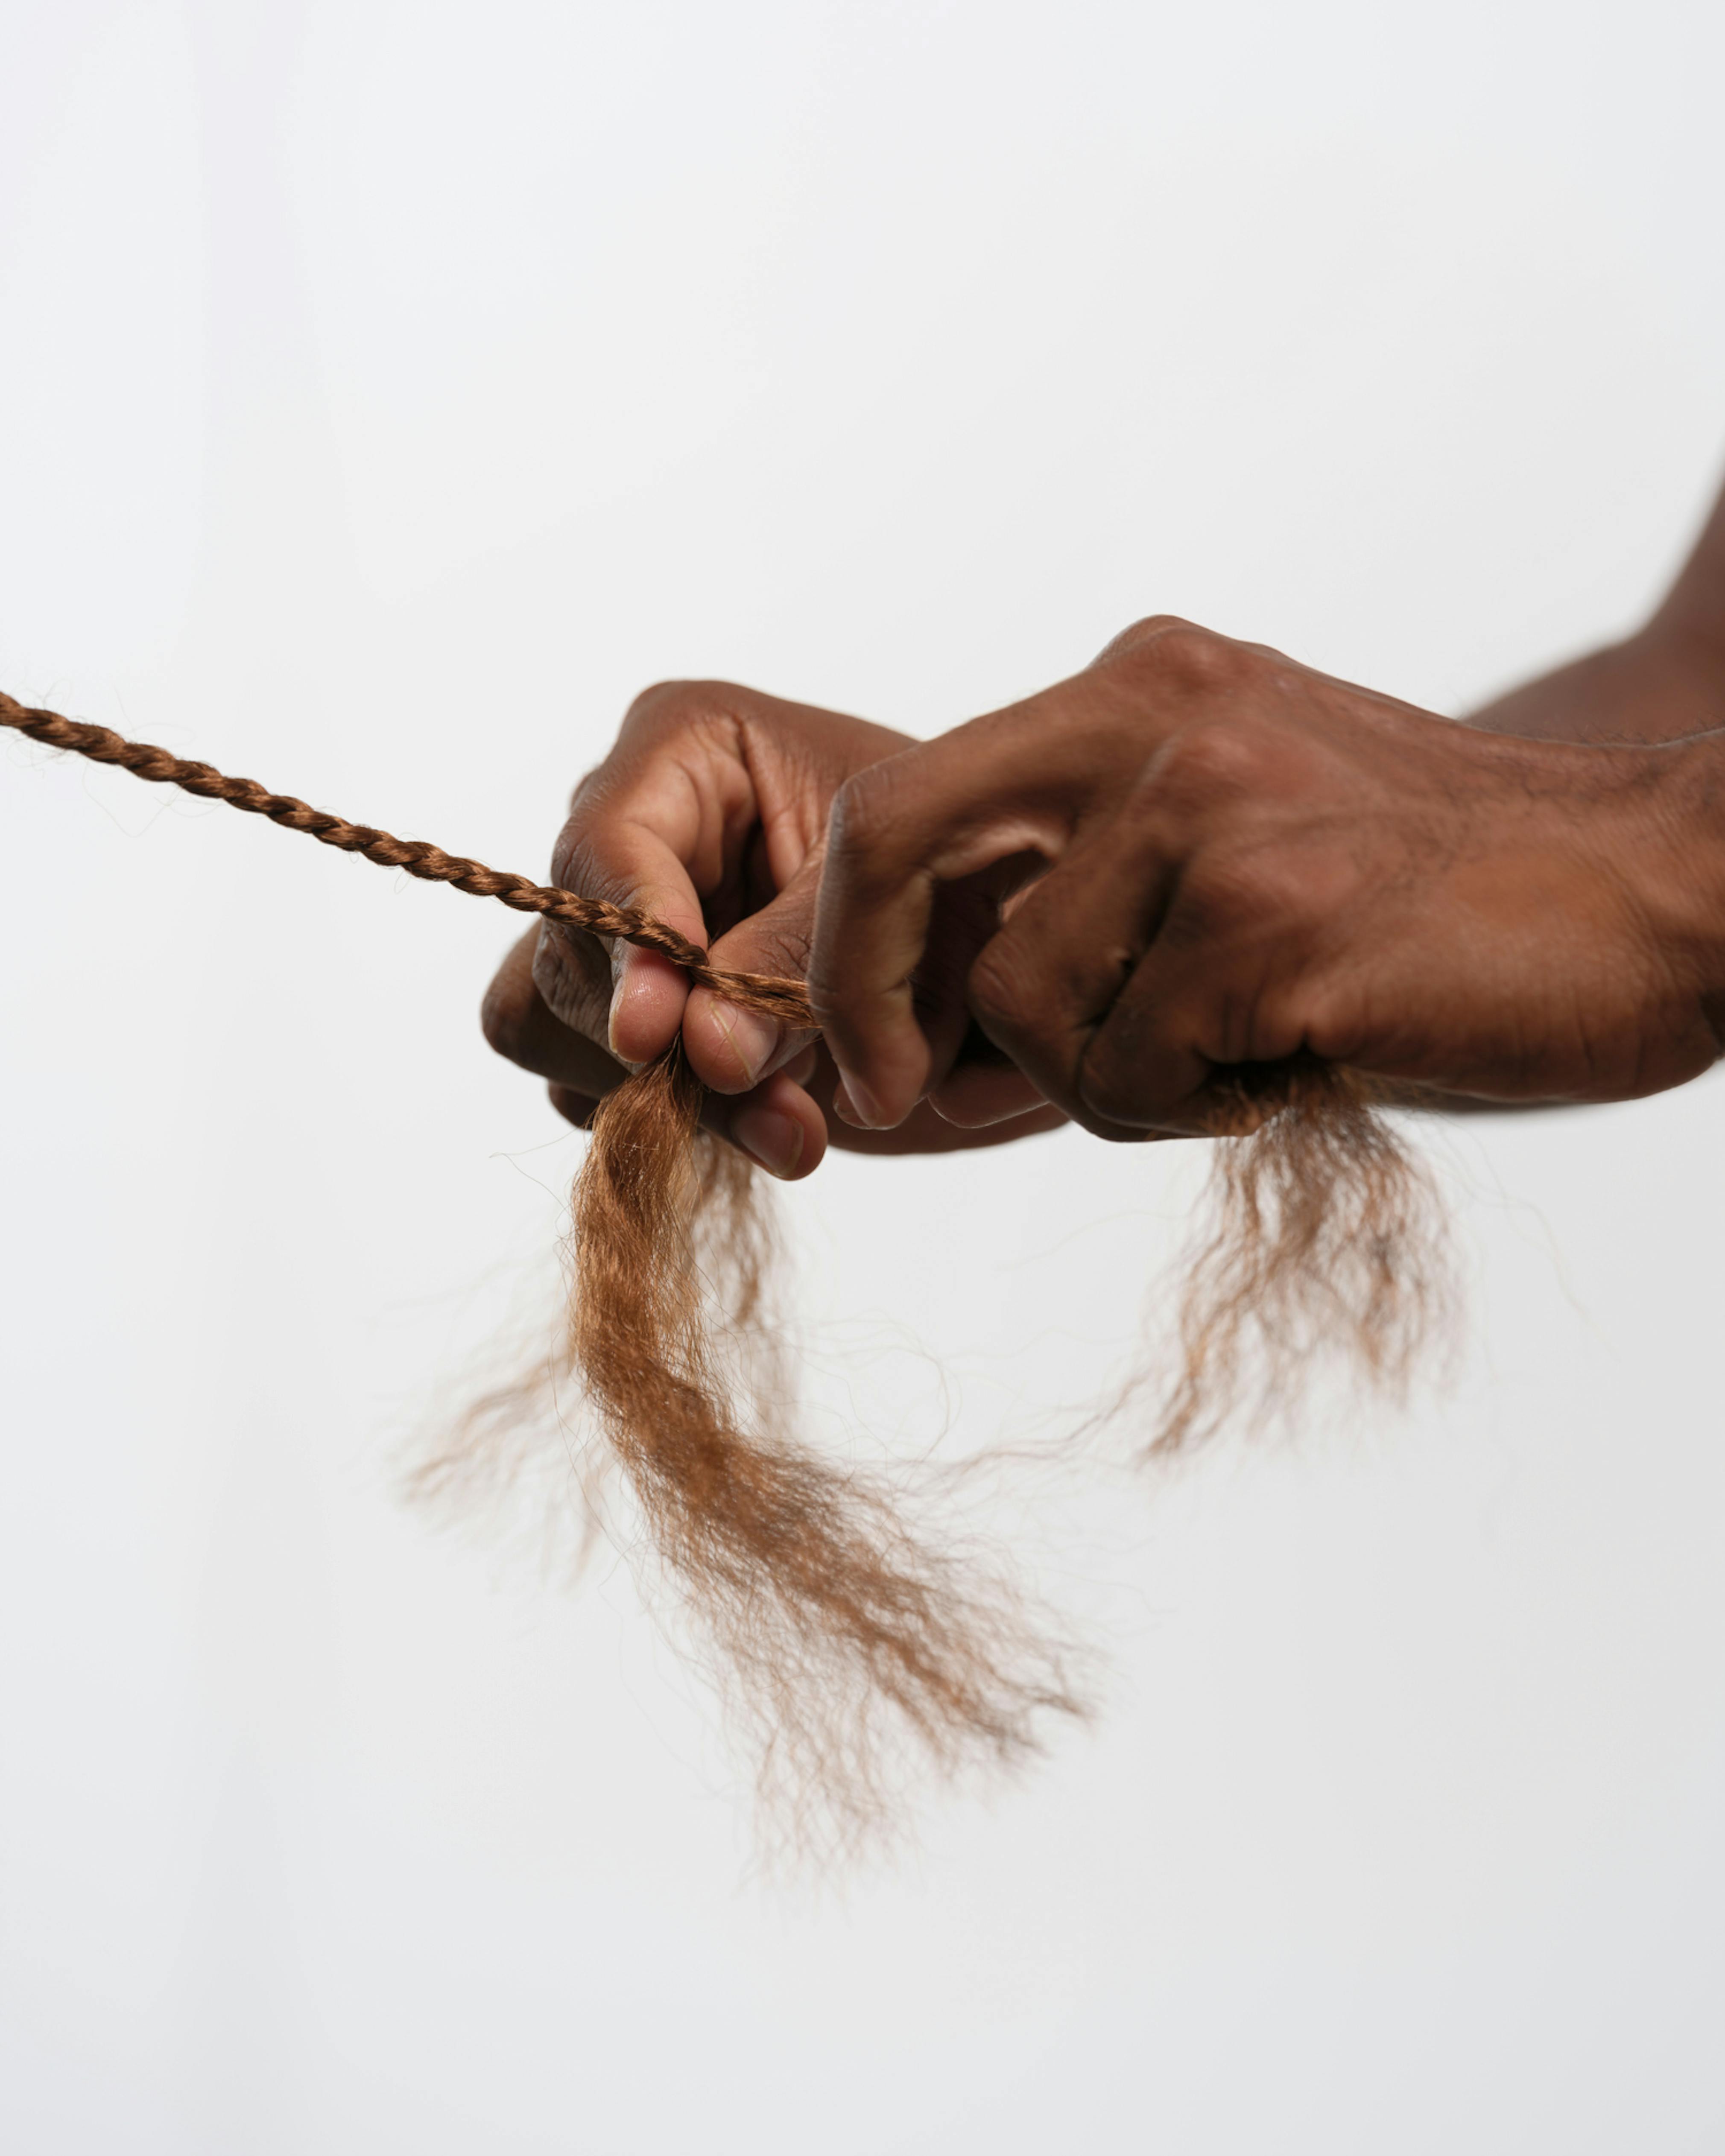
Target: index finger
<point x="630" y="999"/>
<point x="898" y="831"/>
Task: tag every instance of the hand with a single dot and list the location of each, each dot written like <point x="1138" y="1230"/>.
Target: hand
<point x="711" y="811"/>
<point x="1240" y="860"/>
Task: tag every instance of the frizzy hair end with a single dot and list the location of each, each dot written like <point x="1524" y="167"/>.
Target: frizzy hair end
<point x="845" y="1643"/>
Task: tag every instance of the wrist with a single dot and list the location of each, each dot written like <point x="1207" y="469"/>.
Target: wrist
<point x="1671" y="864"/>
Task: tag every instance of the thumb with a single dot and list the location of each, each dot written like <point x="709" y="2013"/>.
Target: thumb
<point x="629" y="1000"/>
<point x="730" y="1048"/>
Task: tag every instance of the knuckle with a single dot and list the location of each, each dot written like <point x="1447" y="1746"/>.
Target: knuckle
<point x="572" y="974"/>
<point x="1132" y="1083"/>
<point x="670" y="708"/>
<point x="591" y="783"/>
<point x="783" y="947"/>
<point x="867" y="810"/>
<point x="1138" y="633"/>
<point x="1113" y="1091"/>
<point x="576" y="859"/>
<point x="1229" y="897"/>
<point x="668" y="704"/>
<point x="1108" y="1103"/>
<point x="1004" y="991"/>
<point x="658" y="716"/>
<point x="1210" y="761"/>
<point x="566" y="854"/>
<point x="1169" y="656"/>
<point x="1200" y="660"/>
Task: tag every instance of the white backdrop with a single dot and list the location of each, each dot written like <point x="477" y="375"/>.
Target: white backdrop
<point x="387" y="392"/>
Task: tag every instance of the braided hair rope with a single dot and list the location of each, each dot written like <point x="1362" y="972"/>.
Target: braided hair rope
<point x="784" y="999"/>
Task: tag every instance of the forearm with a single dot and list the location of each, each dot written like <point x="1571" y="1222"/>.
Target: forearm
<point x="1693" y="614"/>
<point x="1665" y="682"/>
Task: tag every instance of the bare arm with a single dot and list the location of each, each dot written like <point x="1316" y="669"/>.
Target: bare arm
<point x="1663" y="683"/>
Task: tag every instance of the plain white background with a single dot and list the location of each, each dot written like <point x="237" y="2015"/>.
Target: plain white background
<point x="387" y="393"/>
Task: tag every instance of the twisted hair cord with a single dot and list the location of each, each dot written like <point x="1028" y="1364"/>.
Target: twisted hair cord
<point x="416" y="857"/>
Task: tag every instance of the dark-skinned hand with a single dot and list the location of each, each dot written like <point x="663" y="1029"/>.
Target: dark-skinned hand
<point x="1238" y="859"/>
<point x="711" y="811"/>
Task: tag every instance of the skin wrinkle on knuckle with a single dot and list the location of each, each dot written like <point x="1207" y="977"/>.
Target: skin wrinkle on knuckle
<point x="780" y="940"/>
<point x="1106" y="1080"/>
<point x="1207" y="910"/>
<point x="1004" y="991"/>
<point x="577" y="792"/>
<point x="573" y="979"/>
<point x="1198" y="659"/>
<point x="574" y="863"/>
<point x="1031" y="1020"/>
<point x="678" y="706"/>
<point x="1146" y="627"/>
<point x="1176" y="657"/>
<point x="1115" y="1090"/>
<point x="670" y="734"/>
<point x="791" y="774"/>
<point x="865" y="833"/>
<point x="1110" y="1092"/>
<point x="940" y="812"/>
<point x="1133" y="650"/>
<point x="786" y="953"/>
<point x="1263" y="893"/>
<point x="1215" y="764"/>
<point x="647" y="705"/>
<point x="563" y="848"/>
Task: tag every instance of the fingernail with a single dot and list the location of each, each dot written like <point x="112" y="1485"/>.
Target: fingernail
<point x="772" y="1139"/>
<point x="616" y="996"/>
<point x="857" y="1106"/>
<point x="753" y="1038"/>
<point x="619" y="978"/>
